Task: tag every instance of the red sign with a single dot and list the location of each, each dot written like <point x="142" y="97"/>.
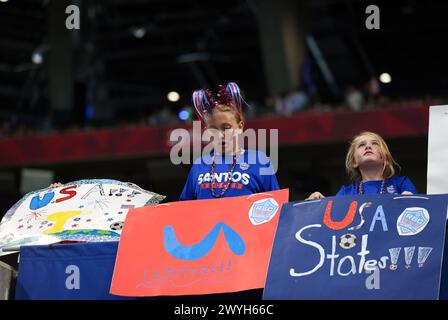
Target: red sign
<point x="197" y="247"/>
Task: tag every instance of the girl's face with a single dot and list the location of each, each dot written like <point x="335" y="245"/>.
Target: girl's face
<point x="228" y="128"/>
<point x="368" y="152"/>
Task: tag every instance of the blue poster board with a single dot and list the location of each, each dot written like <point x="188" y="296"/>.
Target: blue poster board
<point x="359" y="247"/>
<point x="75" y="271"/>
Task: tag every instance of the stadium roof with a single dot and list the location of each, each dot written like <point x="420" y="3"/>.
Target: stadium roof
<point x="140" y="50"/>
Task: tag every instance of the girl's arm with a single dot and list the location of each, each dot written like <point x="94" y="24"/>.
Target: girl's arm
<point x="407" y="187"/>
<point x="270" y="182"/>
<point x="188" y="193"/>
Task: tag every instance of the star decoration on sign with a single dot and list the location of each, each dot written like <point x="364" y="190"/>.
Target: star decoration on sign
<point x="33" y="215"/>
<point x="99" y="203"/>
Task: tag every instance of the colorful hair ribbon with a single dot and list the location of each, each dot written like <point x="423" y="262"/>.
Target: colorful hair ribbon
<point x="204" y="101"/>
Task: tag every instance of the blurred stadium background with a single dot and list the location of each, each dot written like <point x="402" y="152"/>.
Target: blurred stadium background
<point x="95" y="102"/>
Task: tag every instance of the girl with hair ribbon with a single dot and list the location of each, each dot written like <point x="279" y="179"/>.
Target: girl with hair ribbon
<point x="228" y="170"/>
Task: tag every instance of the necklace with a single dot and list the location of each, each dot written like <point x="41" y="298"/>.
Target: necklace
<point x="382" y="189"/>
<point x="229" y="175"/>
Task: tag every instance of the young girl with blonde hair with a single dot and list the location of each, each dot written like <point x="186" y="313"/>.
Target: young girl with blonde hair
<point x="372" y="168"/>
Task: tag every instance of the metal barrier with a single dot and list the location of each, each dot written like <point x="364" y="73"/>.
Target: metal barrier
<point x="8" y="278"/>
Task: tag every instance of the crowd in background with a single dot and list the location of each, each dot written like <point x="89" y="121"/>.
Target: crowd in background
<point x="303" y="99"/>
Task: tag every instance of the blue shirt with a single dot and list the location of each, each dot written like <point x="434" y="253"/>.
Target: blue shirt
<point x="253" y="173"/>
<point x="394" y="185"/>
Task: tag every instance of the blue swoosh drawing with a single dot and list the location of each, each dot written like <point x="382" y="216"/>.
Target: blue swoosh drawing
<point x="233" y="239"/>
<point x="37" y="203"/>
<point x="200" y="249"/>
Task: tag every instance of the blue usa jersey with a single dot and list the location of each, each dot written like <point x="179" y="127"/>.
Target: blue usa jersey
<point x="394" y="185"/>
<point x="253" y="173"/>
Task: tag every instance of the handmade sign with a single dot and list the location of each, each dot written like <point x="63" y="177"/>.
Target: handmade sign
<point x="197" y="247"/>
<point x="359" y="247"/>
<point x="84" y="210"/>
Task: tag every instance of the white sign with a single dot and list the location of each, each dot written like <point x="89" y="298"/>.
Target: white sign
<point x="84" y="210"/>
<point x="438" y="150"/>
